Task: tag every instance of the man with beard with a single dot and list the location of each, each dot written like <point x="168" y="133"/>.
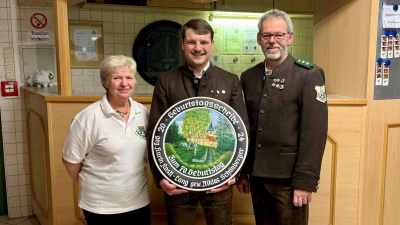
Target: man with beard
<point x="288" y="114"/>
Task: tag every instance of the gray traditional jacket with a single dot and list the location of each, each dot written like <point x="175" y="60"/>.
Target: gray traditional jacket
<point x="288" y="117"/>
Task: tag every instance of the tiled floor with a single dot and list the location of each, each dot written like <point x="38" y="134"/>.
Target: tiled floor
<point x="30" y="220"/>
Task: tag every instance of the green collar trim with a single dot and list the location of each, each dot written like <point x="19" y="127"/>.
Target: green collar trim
<point x="304" y="64"/>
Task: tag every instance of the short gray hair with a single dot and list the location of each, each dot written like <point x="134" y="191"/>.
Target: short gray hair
<point x="276" y="13"/>
<point x="113" y="62"/>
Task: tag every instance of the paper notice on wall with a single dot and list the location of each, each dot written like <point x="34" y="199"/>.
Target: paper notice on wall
<point x="233" y="39"/>
<point x="85" y="44"/>
<point x="216" y="60"/>
<point x="396" y="46"/>
<point x="232" y="63"/>
<point x="384" y="43"/>
<point x="385" y="81"/>
<point x="390" y="17"/>
<point x="390" y="47"/>
<point x="250" y="45"/>
<point x="378" y="74"/>
<point x="218" y="39"/>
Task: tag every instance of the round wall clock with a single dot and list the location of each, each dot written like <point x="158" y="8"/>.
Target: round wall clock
<point x="157" y="49"/>
<point x="199" y="143"/>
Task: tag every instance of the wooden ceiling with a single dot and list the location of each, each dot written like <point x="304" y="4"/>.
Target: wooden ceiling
<point x="44" y="2"/>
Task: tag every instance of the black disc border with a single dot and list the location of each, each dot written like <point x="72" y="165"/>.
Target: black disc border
<point x="225" y="173"/>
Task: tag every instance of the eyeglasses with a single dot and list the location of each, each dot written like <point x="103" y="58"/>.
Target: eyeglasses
<point x="278" y="36"/>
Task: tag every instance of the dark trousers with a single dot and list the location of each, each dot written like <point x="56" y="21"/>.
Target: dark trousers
<point x="217" y="207"/>
<point x="139" y="216"/>
<point x="273" y="202"/>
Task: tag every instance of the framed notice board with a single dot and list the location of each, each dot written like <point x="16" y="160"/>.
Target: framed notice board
<point x="387" y="64"/>
<point x="86" y="44"/>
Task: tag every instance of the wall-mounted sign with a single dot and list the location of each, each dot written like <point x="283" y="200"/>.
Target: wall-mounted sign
<point x="40" y="29"/>
<point x="38" y="20"/>
<point x="199" y="143"/>
<point x="157" y="49"/>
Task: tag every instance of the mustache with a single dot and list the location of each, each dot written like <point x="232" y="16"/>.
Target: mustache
<point x="273" y="46"/>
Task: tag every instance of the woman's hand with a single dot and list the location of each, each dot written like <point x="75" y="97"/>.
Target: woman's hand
<point x="73" y="169"/>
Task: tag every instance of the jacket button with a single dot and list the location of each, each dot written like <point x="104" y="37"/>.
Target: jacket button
<point x="265" y="95"/>
<point x="259" y="146"/>
<point x="260" y="129"/>
<point x="262" y="111"/>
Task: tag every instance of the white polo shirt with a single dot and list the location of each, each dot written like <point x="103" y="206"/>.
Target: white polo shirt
<point x="113" y="178"/>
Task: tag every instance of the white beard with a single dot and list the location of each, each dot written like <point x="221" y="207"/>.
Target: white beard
<point x="275" y="56"/>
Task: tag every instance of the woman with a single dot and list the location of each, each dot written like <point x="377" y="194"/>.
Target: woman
<point x="105" y="151"/>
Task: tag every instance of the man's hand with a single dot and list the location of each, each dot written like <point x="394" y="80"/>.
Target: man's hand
<point x="242" y="184"/>
<point x="222" y="187"/>
<point x="171" y="189"/>
<point x="301" y="197"/>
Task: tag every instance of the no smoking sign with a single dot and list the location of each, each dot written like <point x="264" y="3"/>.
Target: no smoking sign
<point x="38" y="20"/>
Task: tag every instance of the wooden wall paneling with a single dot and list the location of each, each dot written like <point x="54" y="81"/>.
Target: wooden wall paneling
<point x="324" y="8"/>
<point x="78" y="211"/>
<point x="390" y="196"/>
<point x="38" y="157"/>
<point x="322" y="207"/>
<point x="362" y="165"/>
<point x="299" y="6"/>
<point x="60" y="116"/>
<point x="249" y="6"/>
<point x="345" y="125"/>
<point x="340" y="50"/>
<point x="380" y="190"/>
<point x="156" y="197"/>
<point x="348" y="63"/>
<point x="380" y="114"/>
<point x="242" y="203"/>
<point x="38" y="163"/>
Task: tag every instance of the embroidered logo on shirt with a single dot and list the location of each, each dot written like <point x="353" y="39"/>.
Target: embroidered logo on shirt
<point x="141" y="132"/>
<point x="321" y="94"/>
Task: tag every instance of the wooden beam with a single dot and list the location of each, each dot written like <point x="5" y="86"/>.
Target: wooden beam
<point x="62" y="47"/>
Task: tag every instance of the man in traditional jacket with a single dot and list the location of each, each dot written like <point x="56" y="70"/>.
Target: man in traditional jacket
<point x="288" y="114"/>
<point x="198" y="77"/>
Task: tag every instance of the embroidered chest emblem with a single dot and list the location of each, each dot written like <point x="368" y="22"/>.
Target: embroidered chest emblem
<point x="141" y="132"/>
<point x="321" y="94"/>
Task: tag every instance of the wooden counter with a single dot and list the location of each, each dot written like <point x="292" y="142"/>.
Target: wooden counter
<point x="54" y="195"/>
